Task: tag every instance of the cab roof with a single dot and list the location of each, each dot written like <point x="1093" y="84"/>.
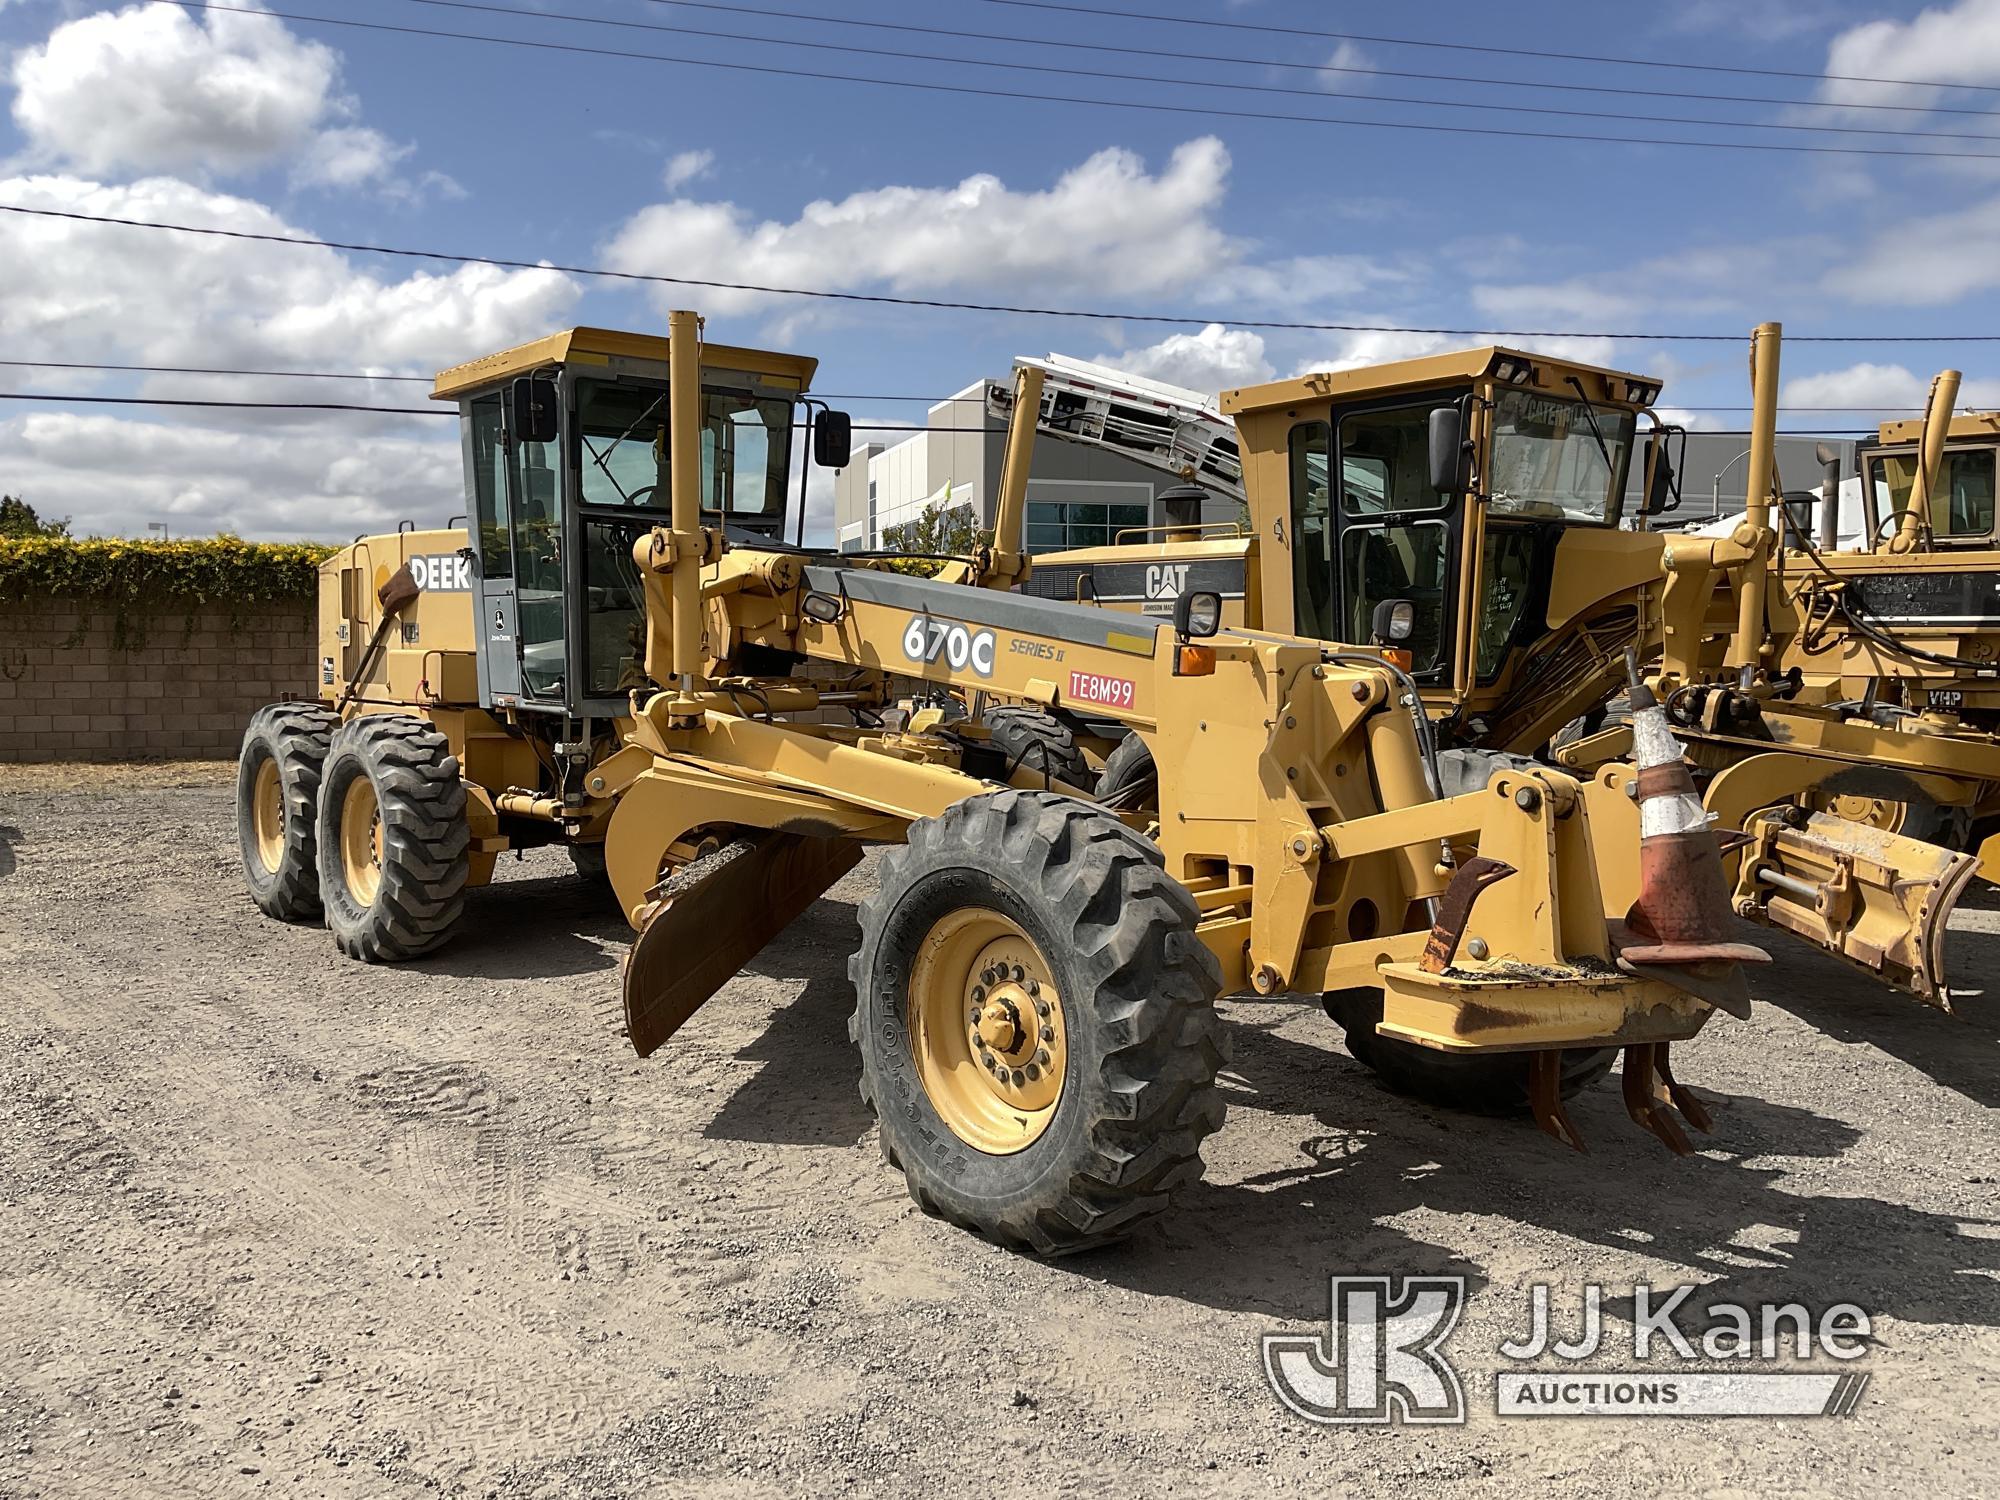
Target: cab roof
<point x="604" y="346"/>
<point x="1430" y="369"/>
<point x="1965" y="425"/>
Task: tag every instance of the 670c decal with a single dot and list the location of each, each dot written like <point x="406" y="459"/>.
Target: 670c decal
<point x="927" y="640"/>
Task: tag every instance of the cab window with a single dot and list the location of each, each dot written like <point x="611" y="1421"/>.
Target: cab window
<point x="1964" y="503"/>
<point x="1312" y="532"/>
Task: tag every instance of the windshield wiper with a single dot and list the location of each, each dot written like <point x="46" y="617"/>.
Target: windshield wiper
<point x="1590" y="416"/>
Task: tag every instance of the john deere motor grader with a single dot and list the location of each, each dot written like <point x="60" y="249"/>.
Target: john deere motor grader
<point x="1465" y="510"/>
<point x="1036" y="973"/>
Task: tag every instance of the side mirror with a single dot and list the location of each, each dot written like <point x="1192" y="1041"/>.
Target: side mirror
<point x="1393" y="620"/>
<point x="1197" y="614"/>
<point x="533" y="415"/>
<point x="1659" y="482"/>
<point x="833" y="439"/>
<point x="1447" y="450"/>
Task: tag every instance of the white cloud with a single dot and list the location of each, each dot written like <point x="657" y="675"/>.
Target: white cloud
<point x="1352" y="351"/>
<point x="1926" y="262"/>
<point x="111" y="475"/>
<point x="1346" y="56"/>
<point x="1107" y="227"/>
<point x="1880" y="388"/>
<point x="684" y="167"/>
<point x="82" y="291"/>
<point x="150" y="89"/>
<point x="94" y="293"/>
<point x="1215" y="359"/>
<point x="1952" y="44"/>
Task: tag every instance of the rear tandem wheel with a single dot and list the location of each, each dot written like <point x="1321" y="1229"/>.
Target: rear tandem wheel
<point x="392" y="838"/>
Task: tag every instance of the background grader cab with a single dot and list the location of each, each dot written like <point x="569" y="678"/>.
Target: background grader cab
<point x="1036" y="974"/>
<point x="1465" y="509"/>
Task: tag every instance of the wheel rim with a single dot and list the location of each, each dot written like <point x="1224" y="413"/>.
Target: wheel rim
<point x="267" y="814"/>
<point x="1871" y="812"/>
<point x="987" y="1030"/>
<point x="361" y="841"/>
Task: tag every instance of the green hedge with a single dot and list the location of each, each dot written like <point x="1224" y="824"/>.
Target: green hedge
<point x="222" y="570"/>
<point x="134" y="580"/>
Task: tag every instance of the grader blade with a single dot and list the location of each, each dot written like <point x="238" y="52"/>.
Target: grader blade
<point x="692" y="941"/>
<point x="1877" y="899"/>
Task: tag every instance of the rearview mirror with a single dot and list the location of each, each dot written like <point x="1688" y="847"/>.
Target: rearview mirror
<point x="1659" y="481"/>
<point x="1197" y="614"/>
<point x="833" y="439"/>
<point x="1447" y="450"/>
<point x="532" y="413"/>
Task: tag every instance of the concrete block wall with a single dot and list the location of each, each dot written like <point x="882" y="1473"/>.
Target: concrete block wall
<point x="181" y="688"/>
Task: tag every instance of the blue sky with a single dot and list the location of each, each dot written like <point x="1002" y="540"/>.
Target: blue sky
<point x="283" y="126"/>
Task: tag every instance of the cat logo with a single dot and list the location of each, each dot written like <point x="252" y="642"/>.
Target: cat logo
<point x="1166" y="580"/>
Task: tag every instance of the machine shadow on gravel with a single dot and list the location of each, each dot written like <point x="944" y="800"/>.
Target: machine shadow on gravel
<point x="795" y="1099"/>
<point x="552" y="927"/>
<point x="1268" y="1243"/>
<point x="10" y="836"/>
<point x="1961" y="1050"/>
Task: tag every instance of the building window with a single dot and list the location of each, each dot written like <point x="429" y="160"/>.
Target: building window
<point x="1060" y="527"/>
<point x="871" y="489"/>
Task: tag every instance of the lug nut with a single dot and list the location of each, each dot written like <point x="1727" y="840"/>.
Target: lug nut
<point x="1048" y="1033"/>
<point x="1033" y="1073"/>
<point x="1019" y="973"/>
<point x="978" y="994"/>
<point x="1034" y="986"/>
<point x="1042" y="1009"/>
<point x="1019" y="1078"/>
<point x="1042" y="1057"/>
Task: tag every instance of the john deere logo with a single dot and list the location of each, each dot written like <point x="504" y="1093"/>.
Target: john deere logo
<point x="445" y="573"/>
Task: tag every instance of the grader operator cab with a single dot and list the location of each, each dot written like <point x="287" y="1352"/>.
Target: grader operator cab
<point x="1463" y="508"/>
<point x="1036" y="974"/>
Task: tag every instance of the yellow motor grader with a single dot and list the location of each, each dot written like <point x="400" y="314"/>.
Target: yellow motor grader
<point x="1465" y="509"/>
<point x="1843" y="706"/>
<point x="1036" y="972"/>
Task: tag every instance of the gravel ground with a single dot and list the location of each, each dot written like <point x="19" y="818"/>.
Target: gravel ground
<point x="275" y="1222"/>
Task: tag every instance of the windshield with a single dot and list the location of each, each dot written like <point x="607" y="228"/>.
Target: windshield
<point x="622" y="438"/>
<point x="1548" y="462"/>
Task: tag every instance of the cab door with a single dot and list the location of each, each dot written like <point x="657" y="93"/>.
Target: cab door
<point x="1394" y="536"/>
<point x="491" y="515"/>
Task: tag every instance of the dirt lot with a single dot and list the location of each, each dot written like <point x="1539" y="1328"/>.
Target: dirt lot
<point x="275" y="1222"/>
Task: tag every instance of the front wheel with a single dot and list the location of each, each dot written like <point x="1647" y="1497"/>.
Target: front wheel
<point x="392" y="838"/>
<point x="1036" y="1022"/>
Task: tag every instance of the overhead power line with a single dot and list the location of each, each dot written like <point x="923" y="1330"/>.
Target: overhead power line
<point x="118" y="369"/>
<point x="68" y="398"/>
<point x="1405" y="41"/>
<point x="885" y="299"/>
<point x="1200" y="83"/>
<point x="1145" y="106"/>
<point x="438" y="411"/>
<point x="1180" y="54"/>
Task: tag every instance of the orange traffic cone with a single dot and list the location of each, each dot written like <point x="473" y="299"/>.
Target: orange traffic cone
<point x="1682" y="916"/>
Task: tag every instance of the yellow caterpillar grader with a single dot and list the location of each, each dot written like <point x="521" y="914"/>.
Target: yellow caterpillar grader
<point x="1465" y="510"/>
<point x="620" y="652"/>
